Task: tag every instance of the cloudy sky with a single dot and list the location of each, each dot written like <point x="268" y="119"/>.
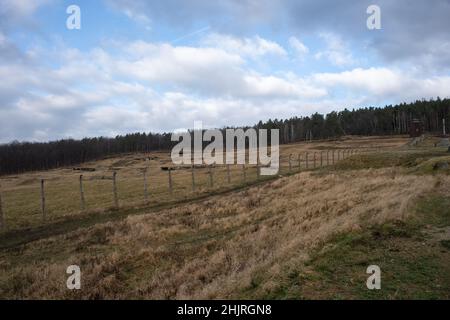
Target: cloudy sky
<point x="161" y="65"/>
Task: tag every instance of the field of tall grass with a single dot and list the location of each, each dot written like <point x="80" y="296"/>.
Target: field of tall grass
<point x="282" y="238"/>
<point x="21" y="194"/>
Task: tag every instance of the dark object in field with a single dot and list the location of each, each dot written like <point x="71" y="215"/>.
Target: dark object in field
<point x="84" y="169"/>
<point x="416" y="128"/>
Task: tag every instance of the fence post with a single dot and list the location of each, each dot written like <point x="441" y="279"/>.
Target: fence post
<point x="258" y="171"/>
<point x="2" y="221"/>
<point x="314" y="160"/>
<point x="211" y="183"/>
<point x="328" y="157"/>
<point x="170" y="181"/>
<point x="116" y="200"/>
<point x="82" y="202"/>
<point x="321" y="159"/>
<point x="228" y="174"/>
<point x="193" y="177"/>
<point x="43" y="200"/>
<point x="145" y="185"/>
<point x="244" y="176"/>
<point x="299" y="161"/>
<point x="290" y="163"/>
<point x="306" y="158"/>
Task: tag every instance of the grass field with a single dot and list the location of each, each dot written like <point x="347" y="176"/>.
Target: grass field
<point x="21" y="194"/>
<point x="307" y="234"/>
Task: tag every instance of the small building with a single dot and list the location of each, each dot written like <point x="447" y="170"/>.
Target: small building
<point x="416" y="128"/>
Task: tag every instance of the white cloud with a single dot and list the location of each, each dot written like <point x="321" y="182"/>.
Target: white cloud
<point x="246" y="47"/>
<point x="337" y="52"/>
<point x="139" y="18"/>
<point x="147" y="86"/>
<point x="386" y="83"/>
<point x="20" y="8"/>
<point x="300" y="48"/>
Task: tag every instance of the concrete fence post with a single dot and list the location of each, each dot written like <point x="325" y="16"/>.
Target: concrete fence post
<point x="258" y="171"/>
<point x="44" y="216"/>
<point x="210" y="174"/>
<point x="290" y="162"/>
<point x="2" y="220"/>
<point x="145" y="185"/>
<point x="82" y="201"/>
<point x="306" y="158"/>
<point x="170" y="181"/>
<point x="193" y="177"/>
<point x="116" y="199"/>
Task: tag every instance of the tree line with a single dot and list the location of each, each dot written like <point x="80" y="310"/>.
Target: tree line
<point x="17" y="157"/>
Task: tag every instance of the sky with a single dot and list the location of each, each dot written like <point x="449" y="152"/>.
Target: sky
<point x="158" y="66"/>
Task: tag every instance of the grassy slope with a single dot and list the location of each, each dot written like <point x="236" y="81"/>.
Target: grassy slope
<point x="414" y="258"/>
<point x="305" y="236"/>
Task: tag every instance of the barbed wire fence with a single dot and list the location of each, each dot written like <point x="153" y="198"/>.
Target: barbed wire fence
<point x="111" y="191"/>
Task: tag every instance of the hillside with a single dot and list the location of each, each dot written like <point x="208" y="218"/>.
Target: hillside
<point x="307" y="234"/>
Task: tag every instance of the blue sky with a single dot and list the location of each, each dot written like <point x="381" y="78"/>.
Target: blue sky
<point x="161" y="65"/>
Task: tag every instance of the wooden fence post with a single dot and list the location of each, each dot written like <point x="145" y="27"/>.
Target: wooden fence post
<point x="314" y="160"/>
<point x="193" y="177"/>
<point x="211" y="183"/>
<point x="228" y="174"/>
<point x="321" y="159"/>
<point x="299" y="161"/>
<point x="244" y="175"/>
<point x="82" y="202"/>
<point x="328" y="157"/>
<point x="145" y="185"/>
<point x="2" y="221"/>
<point x="116" y="200"/>
<point x="170" y="181"/>
<point x="43" y="200"/>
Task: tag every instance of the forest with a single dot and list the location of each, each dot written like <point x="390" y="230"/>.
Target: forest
<point x="17" y="157"/>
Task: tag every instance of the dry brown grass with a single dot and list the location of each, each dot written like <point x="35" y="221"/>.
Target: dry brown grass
<point x="219" y="248"/>
<point x="21" y="193"/>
